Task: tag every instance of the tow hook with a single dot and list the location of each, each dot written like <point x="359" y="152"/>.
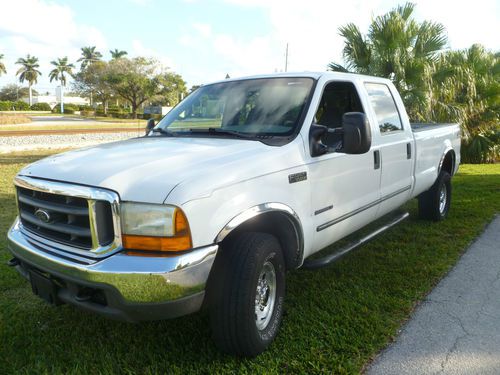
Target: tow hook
<point x="13" y="262"/>
<point x="84" y="295"/>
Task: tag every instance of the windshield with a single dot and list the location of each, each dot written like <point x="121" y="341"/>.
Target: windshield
<point x="271" y="106"/>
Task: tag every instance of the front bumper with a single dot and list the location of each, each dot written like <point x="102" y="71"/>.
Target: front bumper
<point x="125" y="287"/>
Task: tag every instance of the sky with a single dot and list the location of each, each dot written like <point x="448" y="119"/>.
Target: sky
<point x="205" y="40"/>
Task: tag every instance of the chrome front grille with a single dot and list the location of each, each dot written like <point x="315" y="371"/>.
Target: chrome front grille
<point x="82" y="219"/>
<point x="58" y="217"/>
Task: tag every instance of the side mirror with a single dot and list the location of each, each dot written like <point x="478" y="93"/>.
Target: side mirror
<point x="357" y="137"/>
<point x="150" y="125"/>
<point x="317" y="147"/>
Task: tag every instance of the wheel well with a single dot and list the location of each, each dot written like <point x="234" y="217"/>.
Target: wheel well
<point x="281" y="225"/>
<point x="448" y="163"/>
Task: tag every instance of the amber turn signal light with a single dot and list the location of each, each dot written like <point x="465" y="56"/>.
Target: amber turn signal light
<point x="181" y="240"/>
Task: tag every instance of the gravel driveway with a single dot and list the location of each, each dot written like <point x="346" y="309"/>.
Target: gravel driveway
<point x="58" y="141"/>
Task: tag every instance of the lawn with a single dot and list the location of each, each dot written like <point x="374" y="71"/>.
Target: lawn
<point x="336" y="319"/>
<point x="138" y="124"/>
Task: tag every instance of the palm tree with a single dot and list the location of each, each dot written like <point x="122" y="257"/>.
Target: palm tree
<point x="89" y="56"/>
<point x="466" y="89"/>
<point x="396" y="47"/>
<point x="62" y="68"/>
<point x="116" y="53"/>
<point x="2" y="66"/>
<point x="29" y="72"/>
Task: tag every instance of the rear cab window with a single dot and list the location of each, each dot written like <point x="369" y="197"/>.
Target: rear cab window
<point x="384" y="107"/>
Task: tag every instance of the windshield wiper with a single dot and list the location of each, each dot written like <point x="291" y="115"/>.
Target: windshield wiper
<point x="163" y="132"/>
<point x="225" y="132"/>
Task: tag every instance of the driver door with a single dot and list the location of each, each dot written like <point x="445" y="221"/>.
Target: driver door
<point x="345" y="188"/>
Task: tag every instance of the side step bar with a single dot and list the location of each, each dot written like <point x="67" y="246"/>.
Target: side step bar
<point x="329" y="259"/>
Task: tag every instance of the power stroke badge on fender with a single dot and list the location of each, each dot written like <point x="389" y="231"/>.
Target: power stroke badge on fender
<point x="297" y="177"/>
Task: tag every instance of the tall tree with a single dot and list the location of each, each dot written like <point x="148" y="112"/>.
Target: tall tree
<point x="94" y="80"/>
<point x="59" y="73"/>
<point x="3" y="70"/>
<point x="173" y="89"/>
<point x="89" y="56"/>
<point x="465" y="88"/>
<point x="135" y="80"/>
<point x="14" y="92"/>
<point x="116" y="53"/>
<point x="29" y="72"/>
<point x="396" y="47"/>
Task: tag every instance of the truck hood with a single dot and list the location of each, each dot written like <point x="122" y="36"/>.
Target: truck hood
<point x="148" y="169"/>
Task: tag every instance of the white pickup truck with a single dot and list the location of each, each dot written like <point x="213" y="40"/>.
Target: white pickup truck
<point x="242" y="181"/>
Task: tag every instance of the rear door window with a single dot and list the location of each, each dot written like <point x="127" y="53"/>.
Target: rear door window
<point x="384" y="107"/>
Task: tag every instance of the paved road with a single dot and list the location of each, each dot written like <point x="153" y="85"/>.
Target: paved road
<point x="71" y="121"/>
<point x="456" y="330"/>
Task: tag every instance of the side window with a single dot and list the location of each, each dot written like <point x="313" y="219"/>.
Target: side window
<point x="384" y="107"/>
<point x="337" y="99"/>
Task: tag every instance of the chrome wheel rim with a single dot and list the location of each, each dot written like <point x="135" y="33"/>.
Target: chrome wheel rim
<point x="265" y="296"/>
<point x="442" y="199"/>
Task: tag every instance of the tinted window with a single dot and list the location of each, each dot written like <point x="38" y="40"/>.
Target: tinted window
<point x="338" y="98"/>
<point x="384" y="106"/>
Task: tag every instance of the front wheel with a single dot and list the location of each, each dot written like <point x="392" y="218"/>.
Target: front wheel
<point x="247" y="294"/>
<point x="434" y="204"/>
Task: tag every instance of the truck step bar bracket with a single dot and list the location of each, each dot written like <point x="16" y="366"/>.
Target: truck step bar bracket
<point x="331" y="258"/>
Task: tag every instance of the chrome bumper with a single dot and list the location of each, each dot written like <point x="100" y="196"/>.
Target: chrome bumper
<point x="127" y="279"/>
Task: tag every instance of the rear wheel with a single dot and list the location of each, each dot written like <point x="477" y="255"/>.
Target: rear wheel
<point x="248" y="293"/>
<point x="434" y="204"/>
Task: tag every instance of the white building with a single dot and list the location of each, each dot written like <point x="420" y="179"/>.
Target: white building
<point x="53" y="100"/>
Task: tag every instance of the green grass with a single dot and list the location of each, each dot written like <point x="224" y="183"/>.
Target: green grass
<point x="336" y="319"/>
<point x="138" y="124"/>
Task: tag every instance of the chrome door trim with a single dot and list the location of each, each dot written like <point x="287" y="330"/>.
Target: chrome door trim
<point x="361" y="209"/>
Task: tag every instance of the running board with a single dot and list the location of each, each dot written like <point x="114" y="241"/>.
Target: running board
<point x="329" y="259"/>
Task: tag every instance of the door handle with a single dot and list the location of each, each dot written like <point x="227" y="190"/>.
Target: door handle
<point x="408" y="150"/>
<point x="376" y="159"/>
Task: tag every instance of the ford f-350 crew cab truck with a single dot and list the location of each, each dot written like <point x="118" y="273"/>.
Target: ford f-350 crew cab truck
<point x="242" y="181"/>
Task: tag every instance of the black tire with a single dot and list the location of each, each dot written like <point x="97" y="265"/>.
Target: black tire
<point x="233" y="294"/>
<point x="430" y="203"/>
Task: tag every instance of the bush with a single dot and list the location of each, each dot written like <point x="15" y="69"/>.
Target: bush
<point x="6" y="106"/>
<point x="68" y="108"/>
<point x="41" y="107"/>
<point x="85" y="108"/>
<point x="21" y="106"/>
<point x="147" y="116"/>
<point x="482" y="148"/>
<point x="87" y="113"/>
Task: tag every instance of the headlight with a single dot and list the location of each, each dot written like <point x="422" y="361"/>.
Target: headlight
<point x="154" y="227"/>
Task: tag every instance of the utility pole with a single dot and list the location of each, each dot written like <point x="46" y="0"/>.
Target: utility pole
<point x="286" y="58"/>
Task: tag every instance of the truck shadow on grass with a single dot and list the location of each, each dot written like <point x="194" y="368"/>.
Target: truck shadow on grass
<point x="336" y="318"/>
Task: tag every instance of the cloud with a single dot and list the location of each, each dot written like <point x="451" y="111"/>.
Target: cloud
<point x="138" y="49"/>
<point x="43" y="29"/>
<point x="204" y="29"/>
<point x="466" y="23"/>
<point x="312" y="30"/>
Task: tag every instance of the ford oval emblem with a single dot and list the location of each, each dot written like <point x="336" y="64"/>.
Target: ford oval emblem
<point x="42" y="215"/>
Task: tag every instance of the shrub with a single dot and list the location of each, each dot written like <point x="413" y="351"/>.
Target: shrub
<point x="6" y="106"/>
<point x="41" y="107"/>
<point x="482" y="148"/>
<point x="85" y="108"/>
<point x="21" y="106"/>
<point x="147" y="116"/>
<point x="87" y="113"/>
<point x="68" y="108"/>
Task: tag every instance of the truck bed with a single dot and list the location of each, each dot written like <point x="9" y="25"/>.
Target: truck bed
<point x="420" y="126"/>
